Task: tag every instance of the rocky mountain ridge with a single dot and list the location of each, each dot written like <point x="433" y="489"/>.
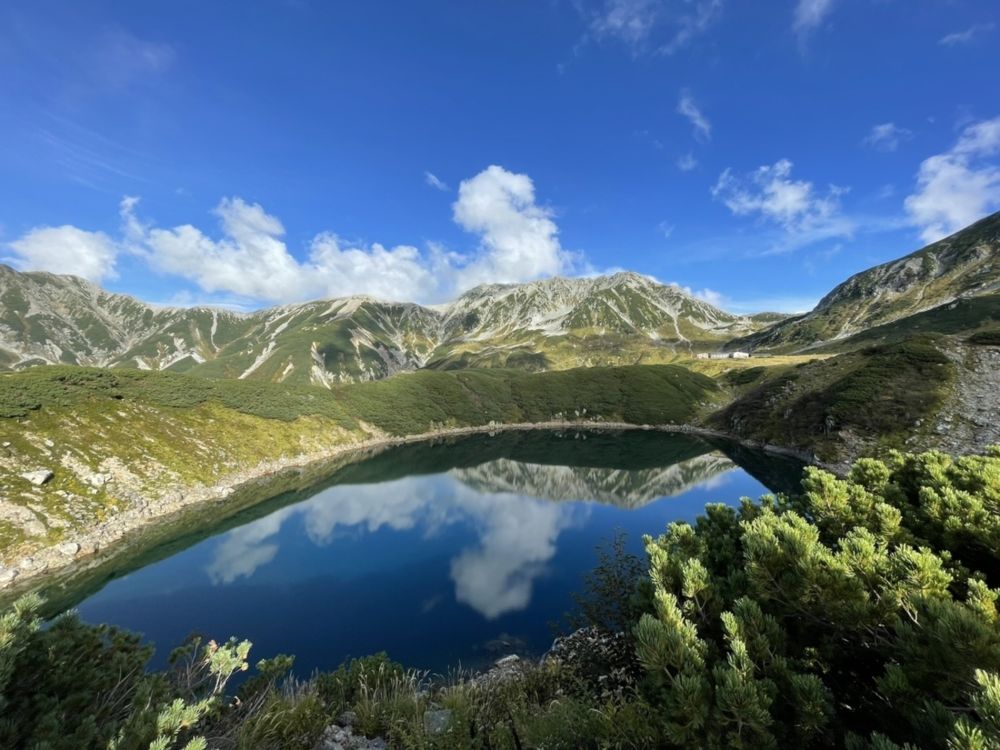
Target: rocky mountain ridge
<point x="961" y="266"/>
<point x="47" y="318"/>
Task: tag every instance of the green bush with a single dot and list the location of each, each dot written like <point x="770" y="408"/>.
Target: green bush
<point x="72" y="686"/>
<point x="846" y="615"/>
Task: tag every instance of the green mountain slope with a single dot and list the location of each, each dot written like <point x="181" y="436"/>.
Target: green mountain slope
<point x="851" y="404"/>
<point x="553" y="324"/>
<point x="964" y="265"/>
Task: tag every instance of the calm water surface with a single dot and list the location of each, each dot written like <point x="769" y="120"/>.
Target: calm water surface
<point x="438" y="554"/>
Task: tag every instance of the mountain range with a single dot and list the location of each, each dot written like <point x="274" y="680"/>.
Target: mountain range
<point x="619" y="319"/>
<point x="557" y="323"/>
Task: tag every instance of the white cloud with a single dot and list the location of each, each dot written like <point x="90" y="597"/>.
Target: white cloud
<point x="687" y="107"/>
<point x="810" y="13"/>
<point x="959" y="186"/>
<point x="887" y="136"/>
<point x="712" y="297"/>
<point x="689" y="25"/>
<point x="963" y="37"/>
<point x="432" y="179"/>
<point x="657" y="26"/>
<point x="666" y="229"/>
<point x="250" y="260"/>
<point x="519" y="239"/>
<point x="687" y="162"/>
<point x="68" y="250"/>
<point x="631" y="21"/>
<point x="795" y="205"/>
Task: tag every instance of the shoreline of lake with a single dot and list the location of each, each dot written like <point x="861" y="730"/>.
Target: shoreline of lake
<point x="239" y="490"/>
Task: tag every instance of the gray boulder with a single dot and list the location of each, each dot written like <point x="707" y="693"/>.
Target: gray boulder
<point x="38" y="477"/>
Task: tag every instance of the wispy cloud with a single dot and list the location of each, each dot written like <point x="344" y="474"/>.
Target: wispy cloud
<point x="966" y="36"/>
<point x="809" y="14"/>
<point x="687" y="162"/>
<point x="959" y="186"/>
<point x="432" y="179"/>
<point x="120" y="58"/>
<point x="689" y="25"/>
<point x="650" y="26"/>
<point x="887" y="136"/>
<point x="686" y="106"/>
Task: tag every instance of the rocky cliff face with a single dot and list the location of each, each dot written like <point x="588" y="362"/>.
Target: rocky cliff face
<point x="619" y="319"/>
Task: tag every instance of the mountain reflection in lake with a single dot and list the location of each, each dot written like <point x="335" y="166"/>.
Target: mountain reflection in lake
<point x="438" y="554"/>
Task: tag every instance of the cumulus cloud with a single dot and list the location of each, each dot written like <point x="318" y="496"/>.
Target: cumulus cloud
<point x="66" y="249"/>
<point x="247" y="260"/>
<point x="658" y="26"/>
<point x="687" y="107"/>
<point x="809" y="14"/>
<point x="887" y="136"/>
<point x="966" y="36"/>
<point x="771" y="193"/>
<point x="432" y="179"/>
<point x="959" y="186"/>
<point x="251" y="259"/>
<point x="519" y="239"/>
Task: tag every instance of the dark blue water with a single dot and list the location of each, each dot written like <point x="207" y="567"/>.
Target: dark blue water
<point x="439" y="555"/>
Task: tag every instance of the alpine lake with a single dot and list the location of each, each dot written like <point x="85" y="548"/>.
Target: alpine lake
<point x="444" y="554"/>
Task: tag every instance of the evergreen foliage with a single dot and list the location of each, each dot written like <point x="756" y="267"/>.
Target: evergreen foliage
<point x="860" y="613"/>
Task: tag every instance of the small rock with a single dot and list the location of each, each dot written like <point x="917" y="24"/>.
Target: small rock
<point x="7" y="576"/>
<point x="507" y="661"/>
<point x="97" y="480"/>
<point x="69" y="549"/>
<point x="436" y="721"/>
<point x="39" y="477"/>
<point x="49" y="443"/>
<point x="5" y="444"/>
<point x="347" y="719"/>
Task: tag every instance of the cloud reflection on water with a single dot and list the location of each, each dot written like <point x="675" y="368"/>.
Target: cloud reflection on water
<point x="517" y="533"/>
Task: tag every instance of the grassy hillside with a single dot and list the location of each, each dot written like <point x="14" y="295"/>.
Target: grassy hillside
<point x="426" y="400"/>
<point x="964" y="316"/>
<point x="880" y="395"/>
<point x="118" y="439"/>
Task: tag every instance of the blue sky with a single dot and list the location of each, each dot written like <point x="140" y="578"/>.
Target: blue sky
<point x="757" y="153"/>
